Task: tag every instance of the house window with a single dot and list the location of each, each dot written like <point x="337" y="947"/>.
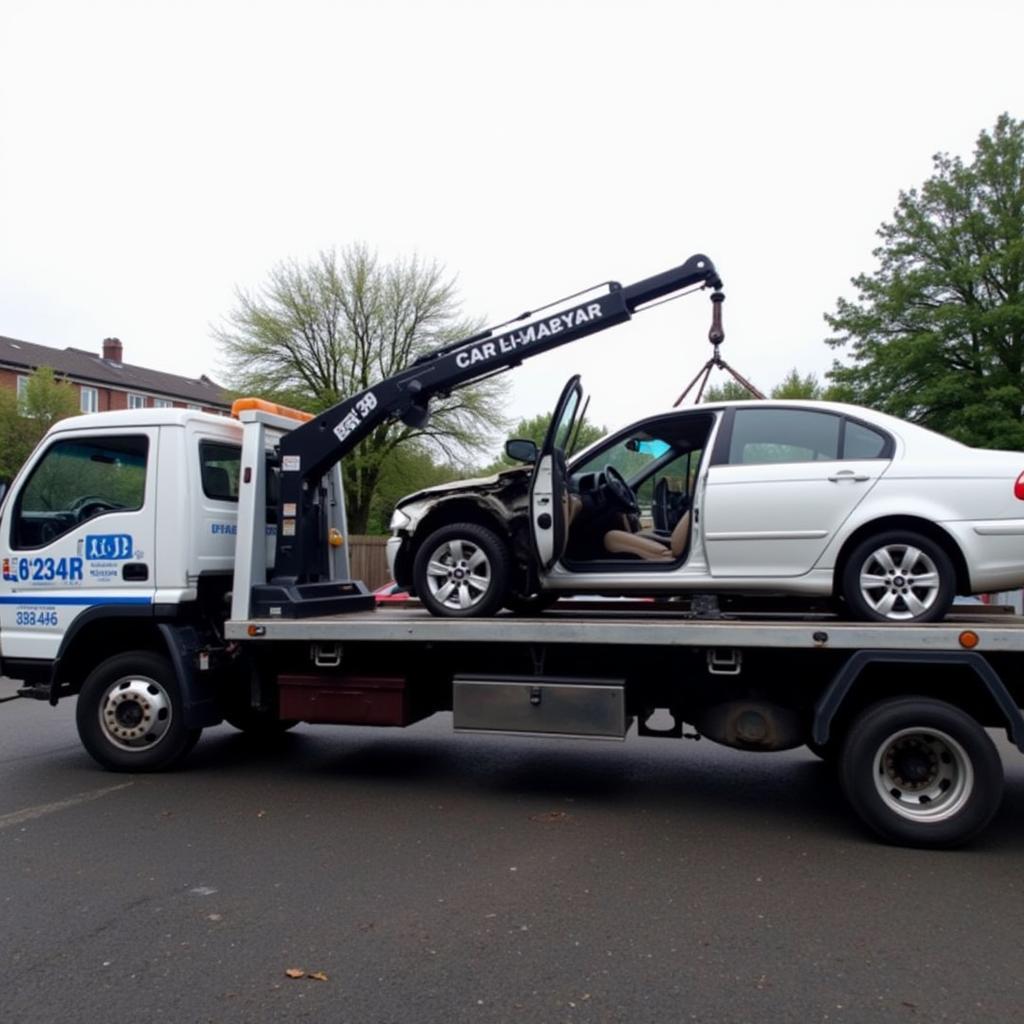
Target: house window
<point x="162" y="403"/>
<point x="136" y="401"/>
<point x="22" y="390"/>
<point x="90" y="400"/>
<point x="195" y="408"/>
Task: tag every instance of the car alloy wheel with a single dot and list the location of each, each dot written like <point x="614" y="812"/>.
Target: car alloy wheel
<point x="898" y="576"/>
<point x="899" y="581"/>
<point x="459" y="574"/>
<point x="462" y="570"/>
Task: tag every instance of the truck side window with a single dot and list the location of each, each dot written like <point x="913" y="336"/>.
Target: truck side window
<point x="77" y="480"/>
<point x="220" y="466"/>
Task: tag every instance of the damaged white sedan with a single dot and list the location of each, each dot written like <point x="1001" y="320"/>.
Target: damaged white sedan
<point x="812" y="499"/>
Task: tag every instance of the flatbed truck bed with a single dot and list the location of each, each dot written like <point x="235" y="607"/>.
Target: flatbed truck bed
<point x="612" y="623"/>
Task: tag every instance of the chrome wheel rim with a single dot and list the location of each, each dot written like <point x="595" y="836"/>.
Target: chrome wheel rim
<point x="135" y="713"/>
<point x="899" y="581"/>
<point x="923" y="775"/>
<point x="459" y="574"/>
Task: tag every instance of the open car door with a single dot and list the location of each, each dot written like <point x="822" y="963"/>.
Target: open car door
<point x="549" y="490"/>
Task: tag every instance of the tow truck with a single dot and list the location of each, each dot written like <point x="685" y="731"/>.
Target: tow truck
<point x="173" y="570"/>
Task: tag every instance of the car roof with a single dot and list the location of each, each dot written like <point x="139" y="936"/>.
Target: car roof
<point x="922" y="440"/>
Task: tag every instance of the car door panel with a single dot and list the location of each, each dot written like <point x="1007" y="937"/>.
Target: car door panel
<point x="777" y="519"/>
<point x="549" y="495"/>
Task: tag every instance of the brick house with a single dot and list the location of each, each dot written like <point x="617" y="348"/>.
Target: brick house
<point x="105" y="381"/>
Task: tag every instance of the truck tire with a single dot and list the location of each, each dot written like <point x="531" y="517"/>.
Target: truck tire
<point x="898" y="576"/>
<point x="462" y="571"/>
<point x="130" y="714"/>
<point x="921" y="772"/>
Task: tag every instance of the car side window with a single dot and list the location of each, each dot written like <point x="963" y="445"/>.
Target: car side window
<point x="77" y="480"/>
<point x="762" y="436"/>
<point x="862" y="442"/>
<point x="679" y="475"/>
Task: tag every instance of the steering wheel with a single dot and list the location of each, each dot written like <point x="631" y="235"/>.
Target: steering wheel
<point x="620" y="491"/>
<point x="89" y="505"/>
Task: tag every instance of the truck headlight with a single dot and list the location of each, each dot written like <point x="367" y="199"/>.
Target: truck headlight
<point x="399" y="520"/>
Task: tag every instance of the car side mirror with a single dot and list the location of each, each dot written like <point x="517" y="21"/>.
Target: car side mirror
<point x="521" y="451"/>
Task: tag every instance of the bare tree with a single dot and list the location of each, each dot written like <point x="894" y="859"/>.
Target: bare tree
<point x="317" y="332"/>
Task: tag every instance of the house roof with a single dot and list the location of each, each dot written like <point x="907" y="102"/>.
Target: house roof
<point x="92" y="368"/>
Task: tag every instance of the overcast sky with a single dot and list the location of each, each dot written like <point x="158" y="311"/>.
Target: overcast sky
<point x="154" y="156"/>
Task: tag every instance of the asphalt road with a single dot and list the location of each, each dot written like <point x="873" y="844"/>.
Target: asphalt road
<point x="441" y="878"/>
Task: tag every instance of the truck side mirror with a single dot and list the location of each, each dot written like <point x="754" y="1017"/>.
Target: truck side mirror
<point x="521" y="451"/>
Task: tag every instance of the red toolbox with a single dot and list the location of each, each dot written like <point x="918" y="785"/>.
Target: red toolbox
<point x="348" y="700"/>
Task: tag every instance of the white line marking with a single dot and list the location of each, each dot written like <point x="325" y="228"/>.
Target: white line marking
<point x="41" y="810"/>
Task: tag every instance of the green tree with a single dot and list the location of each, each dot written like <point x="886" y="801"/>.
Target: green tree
<point x="936" y="334"/>
<point x="795" y="385"/>
<point x="320" y="331"/>
<point x="407" y="470"/>
<point x="24" y="421"/>
<point x="728" y="391"/>
<point x="535" y="429"/>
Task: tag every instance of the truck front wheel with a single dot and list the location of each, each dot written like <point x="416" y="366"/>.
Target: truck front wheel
<point x="921" y="772"/>
<point x="130" y="715"/>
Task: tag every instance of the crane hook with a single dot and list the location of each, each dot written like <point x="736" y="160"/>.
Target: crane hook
<point x="717" y="334"/>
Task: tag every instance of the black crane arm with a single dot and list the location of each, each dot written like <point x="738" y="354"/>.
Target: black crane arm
<point x="309" y="451"/>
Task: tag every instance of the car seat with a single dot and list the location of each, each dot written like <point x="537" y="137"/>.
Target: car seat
<point x="648" y="548"/>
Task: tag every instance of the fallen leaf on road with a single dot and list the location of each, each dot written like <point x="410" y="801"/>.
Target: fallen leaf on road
<point x="296" y="972"/>
<point x="550" y="816"/>
<point x="317" y="975"/>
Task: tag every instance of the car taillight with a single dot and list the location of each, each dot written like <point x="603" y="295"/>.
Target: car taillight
<point x="1018" y="488"/>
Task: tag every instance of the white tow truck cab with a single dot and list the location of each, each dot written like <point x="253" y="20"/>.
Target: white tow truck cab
<point x="173" y="570"/>
<point x="119" y="533"/>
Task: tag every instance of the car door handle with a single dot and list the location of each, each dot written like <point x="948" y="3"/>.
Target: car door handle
<point x="848" y="474"/>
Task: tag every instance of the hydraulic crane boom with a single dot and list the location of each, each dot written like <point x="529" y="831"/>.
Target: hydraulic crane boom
<point x="309" y="451"/>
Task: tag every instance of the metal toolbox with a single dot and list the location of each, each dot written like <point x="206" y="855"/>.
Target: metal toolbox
<point x="542" y="705"/>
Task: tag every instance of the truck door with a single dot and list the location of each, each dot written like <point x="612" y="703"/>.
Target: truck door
<point x="78" y="537"/>
<point x="549" y="492"/>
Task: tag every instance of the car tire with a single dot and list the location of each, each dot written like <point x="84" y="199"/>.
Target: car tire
<point x="462" y="571"/>
<point x="898" y="576"/>
<point x="920" y="772"/>
<point x="130" y="714"/>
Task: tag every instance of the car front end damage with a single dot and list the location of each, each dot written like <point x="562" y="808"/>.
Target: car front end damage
<point x="498" y="501"/>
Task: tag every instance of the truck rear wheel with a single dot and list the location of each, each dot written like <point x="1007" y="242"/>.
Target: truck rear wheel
<point x="921" y="772"/>
<point x="130" y="714"/>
